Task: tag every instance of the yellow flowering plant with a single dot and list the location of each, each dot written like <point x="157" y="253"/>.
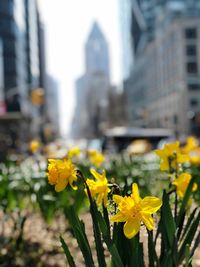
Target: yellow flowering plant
<point x="120" y="217"/>
<point x="99" y="187"/>
<point x="171" y="157"/>
<point x="133" y="210"/>
<point x="61" y="173"/>
<point x="182" y="183"/>
<point x="74" y="152"/>
<point x="96" y="158"/>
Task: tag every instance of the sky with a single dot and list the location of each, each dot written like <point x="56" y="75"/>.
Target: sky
<point x="67" y="25"/>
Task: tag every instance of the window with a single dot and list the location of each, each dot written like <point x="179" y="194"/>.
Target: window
<point x="191" y="33"/>
<point x="191" y="50"/>
<point x="192" y="68"/>
<point x="193" y="102"/>
<point x="193" y="86"/>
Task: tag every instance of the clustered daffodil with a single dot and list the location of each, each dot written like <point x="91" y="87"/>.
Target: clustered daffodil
<point x="192" y="149"/>
<point x="61" y="173"/>
<point x="195" y="156"/>
<point x="171" y="156"/>
<point x="74" y="152"/>
<point x="99" y="187"/>
<point x="133" y="210"/>
<point x="182" y="183"/>
<point x="96" y="157"/>
<point x="191" y="144"/>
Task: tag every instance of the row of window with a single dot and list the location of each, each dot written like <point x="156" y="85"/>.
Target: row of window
<point x="191" y="33"/>
<point x="192" y="67"/>
<point x="191" y="51"/>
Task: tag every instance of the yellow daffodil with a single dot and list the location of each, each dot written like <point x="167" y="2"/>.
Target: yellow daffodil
<point x="99" y="187"/>
<point x="96" y="157"/>
<point x="61" y="173"/>
<point x="195" y="156"/>
<point x="171" y="156"/>
<point x="133" y="210"/>
<point x="191" y="144"/>
<point x="182" y="183"/>
<point x="34" y="146"/>
<point x="192" y="149"/>
<point x="74" y="152"/>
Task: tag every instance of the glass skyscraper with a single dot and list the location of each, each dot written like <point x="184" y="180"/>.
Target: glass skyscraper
<point x="19" y="35"/>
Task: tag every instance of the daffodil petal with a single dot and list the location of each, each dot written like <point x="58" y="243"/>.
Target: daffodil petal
<point x="131" y="228"/>
<point x="151" y="204"/>
<point x="181" y="158"/>
<point x="61" y="184"/>
<point x="117" y="199"/>
<point x="99" y="199"/>
<point x="97" y="175"/>
<point x="160" y="153"/>
<point x="135" y="193"/>
<point x="148" y="221"/>
<point x="164" y="165"/>
<point x="119" y="217"/>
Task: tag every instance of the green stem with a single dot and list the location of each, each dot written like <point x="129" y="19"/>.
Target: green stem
<point x="97" y="233"/>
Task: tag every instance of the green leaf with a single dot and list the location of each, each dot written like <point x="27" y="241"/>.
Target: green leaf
<point x="168" y="219"/>
<point x="135" y="250"/>
<point x="185" y="228"/>
<point x="167" y="260"/>
<point x="106" y="218"/>
<point x="152" y="252"/>
<point x="111" y="246"/>
<point x="196" y="244"/>
<point x="184" y="204"/>
<point x="79" y="233"/>
<point x="168" y="235"/>
<point x="67" y="253"/>
<point x="187" y="256"/>
<point x="84" y="247"/>
<point x="189" y="237"/>
<point x="141" y="255"/>
<point x="97" y="233"/>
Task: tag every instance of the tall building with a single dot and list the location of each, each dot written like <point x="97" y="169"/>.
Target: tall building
<point x="96" y="52"/>
<point x="93" y="87"/>
<point x="2" y="98"/>
<point x="19" y="34"/>
<point x="168" y="94"/>
<point x="125" y="13"/>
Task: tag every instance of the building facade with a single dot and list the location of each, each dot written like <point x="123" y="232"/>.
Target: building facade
<point x="92" y="88"/>
<point x="19" y="34"/>
<point x="168" y="94"/>
<point x="125" y="13"/>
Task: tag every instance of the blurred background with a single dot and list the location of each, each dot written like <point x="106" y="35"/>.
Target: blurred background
<point x="84" y="80"/>
<point x="98" y="72"/>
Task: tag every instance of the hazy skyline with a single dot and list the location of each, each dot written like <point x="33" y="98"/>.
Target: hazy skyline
<point x="67" y="25"/>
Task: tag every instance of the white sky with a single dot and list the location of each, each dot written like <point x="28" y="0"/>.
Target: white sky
<point x="67" y="25"/>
